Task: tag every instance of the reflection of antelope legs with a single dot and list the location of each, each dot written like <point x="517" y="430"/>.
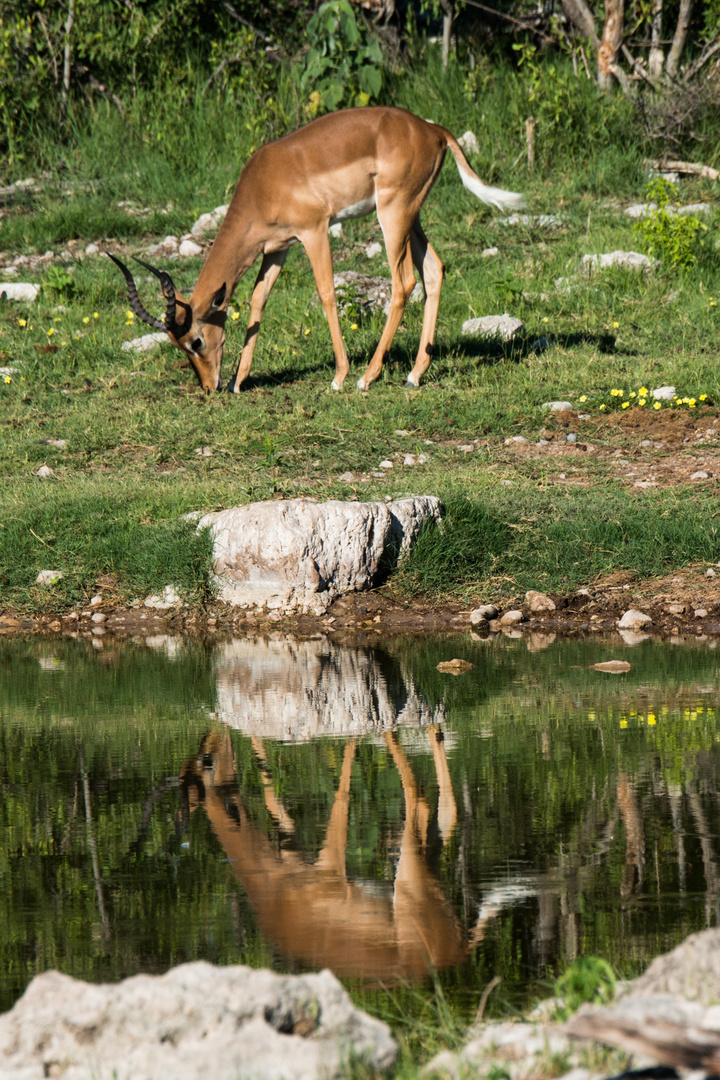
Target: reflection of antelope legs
<point x="311" y="912"/>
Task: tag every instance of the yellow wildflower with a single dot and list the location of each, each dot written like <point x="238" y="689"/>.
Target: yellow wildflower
<point x="51" y="331"/>
<point x="354" y="326"/>
<point x="86" y="319"/>
<point x="657" y="405"/>
<point x="642" y="401"/>
<point x="95" y="315"/>
<point x="22" y="322"/>
<point x="616" y="325"/>
<point x="583" y="397"/>
<point x="626" y="404"/>
<point x="703" y="397"/>
<point x="8" y="379"/>
<point x="617" y="393"/>
<point x="644" y="391"/>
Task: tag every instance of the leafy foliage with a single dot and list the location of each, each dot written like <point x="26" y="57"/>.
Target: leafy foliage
<point x="344" y="64"/>
<point x="667" y="235"/>
<point x="588" y="979"/>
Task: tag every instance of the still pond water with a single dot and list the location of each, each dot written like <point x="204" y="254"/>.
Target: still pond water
<point x="302" y="804"/>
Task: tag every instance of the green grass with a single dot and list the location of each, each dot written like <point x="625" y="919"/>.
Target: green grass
<point x="134" y="422"/>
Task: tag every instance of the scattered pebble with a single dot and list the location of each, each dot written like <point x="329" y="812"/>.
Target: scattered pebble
<point x="676" y="609"/>
<point x="373" y="249"/>
<point x="538" y="601"/>
<point x="469" y="143"/>
<point x="613" y="667"/>
<point x="170" y="598"/>
<point x="511" y="618"/>
<point x="710" y="573"/>
<point x="336" y="230"/>
<point x="204" y="451"/>
<point x="515" y="439"/>
<point x="700" y="475"/>
<point x="483" y="613"/>
<point x="44" y="472"/>
<point x="467" y="448"/>
<point x="454" y="667"/>
<point x="489" y="253"/>
<point x="147" y="341"/>
<point x="557" y="406"/>
<point x="49" y="577"/>
<point x="633" y="620"/>
<point x="664" y="393"/>
<point x="189" y="249"/>
<point x="700" y="613"/>
<point x="627" y="260"/>
<point x="571" y="438"/>
<point x="386" y="464"/>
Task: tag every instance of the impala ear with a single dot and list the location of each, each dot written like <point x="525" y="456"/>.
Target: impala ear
<point x="219" y="298"/>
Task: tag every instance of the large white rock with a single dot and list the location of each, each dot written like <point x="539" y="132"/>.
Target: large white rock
<point x="294" y="555"/>
<point x="147" y="341"/>
<point x="194" y="1022"/>
<point x="626" y="260"/>
<point x="293" y="690"/>
<point x="19" y="290"/>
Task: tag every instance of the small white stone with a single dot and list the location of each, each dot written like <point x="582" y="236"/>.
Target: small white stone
<point x="96" y="600"/>
<point x="49" y="577"/>
<point x="633" y="620"/>
<point x="511" y="618"/>
<point x="700" y="475"/>
<point x="664" y="393"/>
<point x="515" y="439"/>
<point x="538" y="601"/>
<point x="204" y="451"/>
<point x="410" y="459"/>
<point x="92" y="249"/>
<point x="557" y="406"/>
<point x="700" y="613"/>
<point x="336" y="230"/>
<point x="500" y="327"/>
<point x="347" y="477"/>
<point x="466" y="448"/>
<point x="489" y="253"/>
<point x="400" y="431"/>
<point x="710" y="573"/>
<point x="469" y="143"/>
<point x="99" y="617"/>
<point x="386" y="464"/>
<point x="373" y="249"/>
<point x="44" y="472"/>
<point x="189" y="249"/>
<point x="486" y="612"/>
<point x="147" y="341"/>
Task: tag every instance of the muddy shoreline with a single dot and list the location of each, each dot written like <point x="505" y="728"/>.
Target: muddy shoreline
<point x="686" y="604"/>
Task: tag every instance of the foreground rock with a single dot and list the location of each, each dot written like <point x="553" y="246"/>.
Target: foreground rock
<point x="294" y="555"/>
<point x="498" y="327"/>
<point x="196" y="1021"/>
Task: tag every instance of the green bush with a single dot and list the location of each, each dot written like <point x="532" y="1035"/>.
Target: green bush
<point x="665" y="234"/>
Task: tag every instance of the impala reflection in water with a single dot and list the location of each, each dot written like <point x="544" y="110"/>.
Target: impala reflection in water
<point x="309" y="909"/>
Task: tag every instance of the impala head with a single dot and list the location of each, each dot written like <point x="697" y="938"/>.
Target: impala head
<point x="198" y="328"/>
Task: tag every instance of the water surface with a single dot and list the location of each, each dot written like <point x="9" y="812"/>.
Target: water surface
<point x="302" y="804"/>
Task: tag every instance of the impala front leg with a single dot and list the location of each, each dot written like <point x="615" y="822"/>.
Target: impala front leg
<point x="270" y="269"/>
<point x="317" y="246"/>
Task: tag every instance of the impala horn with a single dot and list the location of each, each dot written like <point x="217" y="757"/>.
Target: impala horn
<point x="169" y="323"/>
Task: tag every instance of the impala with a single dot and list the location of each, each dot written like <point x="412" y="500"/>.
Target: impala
<point x="343" y="165"/>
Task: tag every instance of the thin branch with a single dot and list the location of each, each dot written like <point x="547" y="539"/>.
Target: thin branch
<point x="638" y="66"/>
<point x="524" y="24"/>
<point x="68" y="55"/>
<point x="246" y="22"/>
<point x="707" y="53"/>
<point x="51" y="51"/>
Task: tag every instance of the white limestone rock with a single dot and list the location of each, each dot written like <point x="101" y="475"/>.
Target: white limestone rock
<point x="469" y="143"/>
<point x="626" y="260"/>
<point x="195" y="1021"/>
<point x="294" y="555"/>
<point x="170" y="599"/>
<point x="209" y="223"/>
<point x="19" y="290"/>
<point x="634" y="620"/>
<point x="558" y="406"/>
<point x="501" y="327"/>
<point x="189" y="249"/>
<point x="664" y="393"/>
<point x="538" y="602"/>
<point x="147" y="341"/>
<point x="49" y="577"/>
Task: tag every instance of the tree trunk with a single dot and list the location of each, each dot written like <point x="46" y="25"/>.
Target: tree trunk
<point x="679" y="39"/>
<point x="656" y="59"/>
<point x="579" y="14"/>
<point x="611" y="41"/>
<point x="67" y="59"/>
<point x="446" y="6"/>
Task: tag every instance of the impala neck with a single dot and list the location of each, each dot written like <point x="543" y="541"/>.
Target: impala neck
<point x="235" y="249"/>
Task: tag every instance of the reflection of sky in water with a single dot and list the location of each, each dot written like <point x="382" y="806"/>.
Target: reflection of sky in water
<point x="302" y="803"/>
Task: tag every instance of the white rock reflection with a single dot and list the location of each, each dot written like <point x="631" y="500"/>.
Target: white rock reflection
<point x="287" y="689"/>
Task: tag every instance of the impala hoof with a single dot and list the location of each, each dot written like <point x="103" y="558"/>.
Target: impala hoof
<point x="361" y="386"/>
<point x="410" y="385"/>
<point x="335" y="386"/>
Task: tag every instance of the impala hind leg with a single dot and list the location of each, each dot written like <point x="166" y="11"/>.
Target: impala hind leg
<point x="397" y="244"/>
<point x="317" y="246"/>
<point x="431" y="272"/>
<point x="268" y="275"/>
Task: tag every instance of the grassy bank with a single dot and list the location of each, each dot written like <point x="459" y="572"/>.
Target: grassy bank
<point x="143" y="446"/>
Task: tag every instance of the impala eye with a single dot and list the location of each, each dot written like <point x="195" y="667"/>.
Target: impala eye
<point x="197" y="344"/>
